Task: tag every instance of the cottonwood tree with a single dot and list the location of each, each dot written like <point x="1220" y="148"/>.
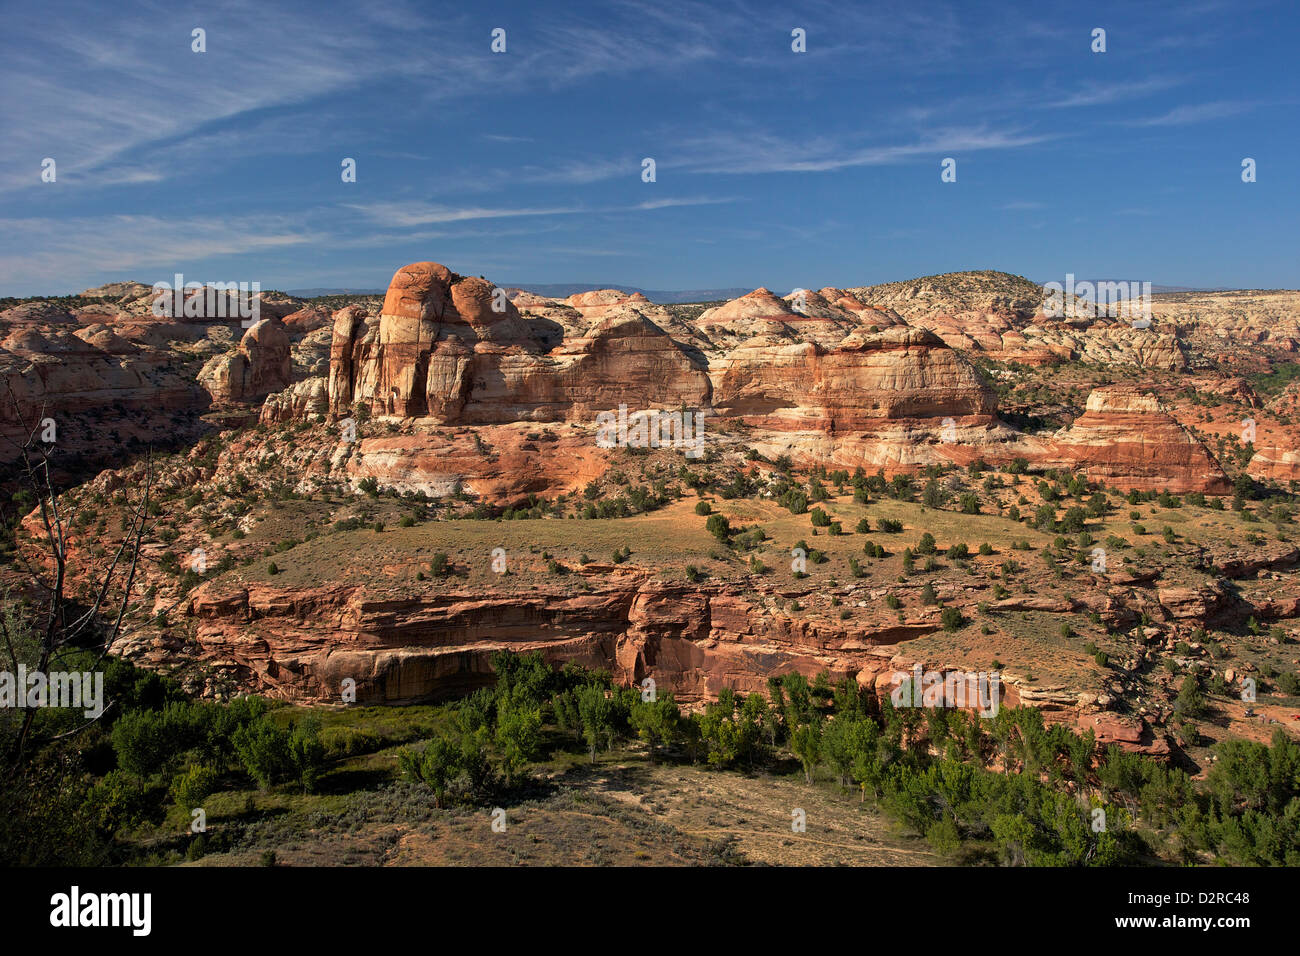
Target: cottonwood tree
<point x="657" y="722"/>
<point x="596" y="712"/>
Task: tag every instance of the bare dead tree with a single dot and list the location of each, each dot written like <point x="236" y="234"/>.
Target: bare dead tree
<point x="58" y="624"/>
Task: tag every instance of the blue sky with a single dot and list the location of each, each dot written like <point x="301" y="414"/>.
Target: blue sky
<point x="773" y="168"/>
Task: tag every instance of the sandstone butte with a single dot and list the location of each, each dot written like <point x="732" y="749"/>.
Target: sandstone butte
<point x="835" y="381"/>
<point x="1128" y="439"/>
<point x="258" y="367"/>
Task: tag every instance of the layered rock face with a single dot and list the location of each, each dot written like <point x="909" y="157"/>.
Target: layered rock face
<point x="498" y="462"/>
<point x="1277" y="437"/>
<point x="301" y="400"/>
<point x="405" y="649"/>
<point x="442" y="352"/>
<point x="895" y="374"/>
<point x="430" y="323"/>
<point x="121" y="354"/>
<point x="353" y="341"/>
<point x="870" y="376"/>
<point x="1127" y="439"/>
<point x="260" y="365"/>
<point x="831" y="375"/>
<point x="1223" y="321"/>
<point x="1002" y="315"/>
<point x="1276" y="462"/>
<point x="895" y="398"/>
<point x="112" y="374"/>
<point x="818" y="384"/>
<point x="103" y="381"/>
<point x="301" y="644"/>
<point x="1048" y="341"/>
<point x="984" y="292"/>
<point x="824" y="317"/>
<point x="597" y="303"/>
<point x="801" y="368"/>
<point x="307" y="320"/>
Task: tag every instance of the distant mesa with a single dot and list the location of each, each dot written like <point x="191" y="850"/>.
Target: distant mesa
<point x="322" y="293"/>
<point x="660" y="296"/>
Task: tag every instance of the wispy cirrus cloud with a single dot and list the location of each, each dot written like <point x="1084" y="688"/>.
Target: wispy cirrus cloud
<point x="398" y="214"/>
<point x="135" y="85"/>
<point x="574" y="172"/>
<point x="116" y="91"/>
<point x="60" y="250"/>
<point x="754" y="154"/>
<point x="66" y="253"/>
<point x="1195" y="113"/>
<point x="534" y="155"/>
<point x="681" y="201"/>
<point x="1102" y="94"/>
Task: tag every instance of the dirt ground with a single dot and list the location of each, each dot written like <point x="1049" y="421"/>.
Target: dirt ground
<point x="616" y="813"/>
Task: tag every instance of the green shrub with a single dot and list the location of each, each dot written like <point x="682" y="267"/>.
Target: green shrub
<point x="193" y="785"/>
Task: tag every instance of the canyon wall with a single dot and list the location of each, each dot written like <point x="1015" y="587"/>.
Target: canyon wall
<point x="1127" y="439"/>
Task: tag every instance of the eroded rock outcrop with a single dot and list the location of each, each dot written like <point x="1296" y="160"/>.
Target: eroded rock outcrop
<point x="101" y="387"/>
<point x="299" y="401"/>
<point x="897" y="373"/>
<point x="898" y="397"/>
<point x="302" y="643"/>
<point x="260" y="365"/>
<point x="452" y="350"/>
<point x="804" y="315"/>
<point x="404" y="648"/>
<point x="441" y="352"/>
<point x="1126" y="438"/>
